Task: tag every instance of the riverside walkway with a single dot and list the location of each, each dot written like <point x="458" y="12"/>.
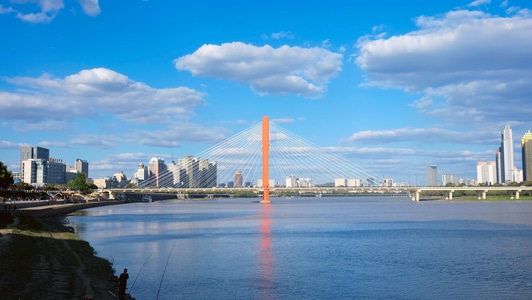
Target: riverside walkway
<point x="47" y="209"/>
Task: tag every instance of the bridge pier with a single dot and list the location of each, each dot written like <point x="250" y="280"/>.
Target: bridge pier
<point x="482" y="194"/>
<point x="415" y="196"/>
<point x="450" y="195"/>
<point x="517" y="194"/>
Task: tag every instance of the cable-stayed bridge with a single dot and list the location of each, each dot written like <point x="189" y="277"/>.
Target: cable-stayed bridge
<point x="238" y="162"/>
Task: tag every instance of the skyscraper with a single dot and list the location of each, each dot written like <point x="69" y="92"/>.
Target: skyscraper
<point x="30" y="152"/>
<point x="526" y="147"/>
<point x="507" y="155"/>
<point x="82" y="166"/>
<point x="432" y="176"/>
<point x="486" y="172"/>
<point x="498" y="166"/>
<point x="239" y="180"/>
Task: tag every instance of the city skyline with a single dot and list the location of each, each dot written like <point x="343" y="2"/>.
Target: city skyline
<point x="394" y="88"/>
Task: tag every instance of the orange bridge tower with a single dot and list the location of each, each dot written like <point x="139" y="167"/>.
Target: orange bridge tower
<point x="265" y="152"/>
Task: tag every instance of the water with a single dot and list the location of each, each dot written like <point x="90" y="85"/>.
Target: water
<point x="317" y="248"/>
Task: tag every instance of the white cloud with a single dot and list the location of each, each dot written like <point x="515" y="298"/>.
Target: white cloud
<point x="421" y="135"/>
<point x="478" y="63"/>
<point x="282" y="35"/>
<point x="90" y="92"/>
<point x="6" y="10"/>
<point x="47" y="9"/>
<point x="268" y="70"/>
<point x="90" y="7"/>
<point x="479" y="2"/>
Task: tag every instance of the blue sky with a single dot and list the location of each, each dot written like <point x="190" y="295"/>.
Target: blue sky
<point x="393" y="86"/>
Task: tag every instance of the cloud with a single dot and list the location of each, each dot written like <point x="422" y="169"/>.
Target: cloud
<point x="478" y="63"/>
<point x="90" y="7"/>
<point x="421" y="135"/>
<point x="89" y="93"/>
<point x="7" y="10"/>
<point x="268" y="70"/>
<point x="479" y="2"/>
<point x="282" y="35"/>
<point x="47" y="10"/>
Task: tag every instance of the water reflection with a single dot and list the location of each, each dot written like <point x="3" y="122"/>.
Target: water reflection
<point x="266" y="287"/>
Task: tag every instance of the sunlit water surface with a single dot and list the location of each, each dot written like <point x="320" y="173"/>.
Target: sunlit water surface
<point x="317" y="248"/>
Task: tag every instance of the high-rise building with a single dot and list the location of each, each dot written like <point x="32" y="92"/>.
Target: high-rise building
<point x="526" y="148"/>
<point x="432" y="176"/>
<point x="35" y="171"/>
<point x="56" y="171"/>
<point x="30" y="152"/>
<point x="498" y="166"/>
<point x="157" y="166"/>
<point x="82" y="166"/>
<point x="486" y="172"/>
<point x="449" y="178"/>
<point x="239" y="180"/>
<point x="507" y="155"/>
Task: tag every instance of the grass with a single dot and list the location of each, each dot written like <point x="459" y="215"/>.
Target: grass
<point x="42" y="259"/>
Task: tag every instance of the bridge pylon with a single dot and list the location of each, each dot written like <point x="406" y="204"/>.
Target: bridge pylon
<point x="265" y="152"/>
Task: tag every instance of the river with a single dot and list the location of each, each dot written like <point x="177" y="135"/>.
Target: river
<point x="316" y="248"/>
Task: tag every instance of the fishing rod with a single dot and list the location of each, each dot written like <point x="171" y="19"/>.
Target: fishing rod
<point x="142" y="267"/>
<point x="164" y="271"/>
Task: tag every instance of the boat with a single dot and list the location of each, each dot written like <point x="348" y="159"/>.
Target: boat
<point x="147" y="198"/>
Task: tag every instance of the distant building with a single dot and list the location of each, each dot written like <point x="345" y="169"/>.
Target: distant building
<point x="121" y="179"/>
<point x="291" y="181"/>
<point x="498" y="166"/>
<point x="56" y="171"/>
<point x="388" y="182"/>
<point x="82" y="166"/>
<point x="507" y="155"/>
<point x="239" y="180"/>
<point x="486" y="172"/>
<point x="518" y="175"/>
<point x="30" y="152"/>
<point x="449" y="178"/>
<point x="340" y="182"/>
<point x="432" y="176"/>
<point x="35" y="171"/>
<point x="354" y="182"/>
<point x="271" y="182"/>
<point x="526" y="149"/>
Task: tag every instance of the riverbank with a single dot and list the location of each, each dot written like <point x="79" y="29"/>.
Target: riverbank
<point x="43" y="259"/>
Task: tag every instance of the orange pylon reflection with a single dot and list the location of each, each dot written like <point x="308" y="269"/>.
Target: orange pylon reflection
<point x="266" y="255"/>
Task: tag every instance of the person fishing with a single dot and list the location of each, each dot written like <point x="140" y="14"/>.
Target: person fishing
<point x="122" y="283"/>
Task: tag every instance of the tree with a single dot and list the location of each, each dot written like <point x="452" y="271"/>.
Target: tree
<point x="6" y="177"/>
<point x="80" y="183"/>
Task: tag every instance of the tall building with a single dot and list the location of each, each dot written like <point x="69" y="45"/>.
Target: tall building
<point x="526" y="148"/>
<point x="507" y="155"/>
<point x="82" y="166"/>
<point x="498" y="166"/>
<point x="432" y="176"/>
<point x="486" y="172"/>
<point x="156" y="168"/>
<point x="30" y="152"/>
<point x="56" y="171"/>
<point x="449" y="178"/>
<point x="35" y="171"/>
<point x="239" y="180"/>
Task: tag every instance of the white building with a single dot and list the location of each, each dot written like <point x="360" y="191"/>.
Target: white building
<point x="340" y="182"/>
<point x="507" y="155"/>
<point x="291" y="181"/>
<point x="35" y="171"/>
<point x="486" y="172"/>
<point x="354" y="182"/>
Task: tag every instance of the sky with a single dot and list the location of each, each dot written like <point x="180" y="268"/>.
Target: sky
<point x="393" y="86"/>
